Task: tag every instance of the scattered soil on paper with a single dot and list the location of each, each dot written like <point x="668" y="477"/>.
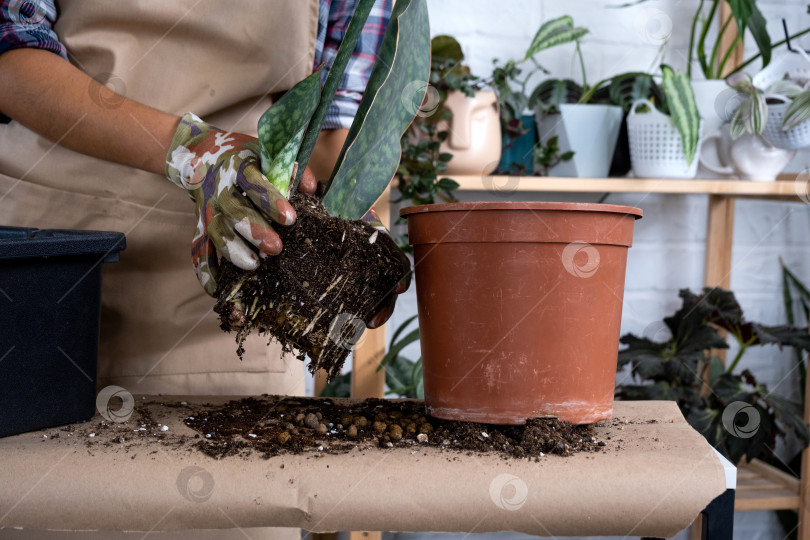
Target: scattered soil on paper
<point x="273" y="426"/>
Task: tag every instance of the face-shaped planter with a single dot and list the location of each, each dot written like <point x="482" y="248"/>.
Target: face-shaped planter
<point x="475" y="133"/>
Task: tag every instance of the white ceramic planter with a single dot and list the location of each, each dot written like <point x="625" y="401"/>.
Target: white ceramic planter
<point x="656" y="150"/>
<point x="590" y="131"/>
<point x="750" y="157"/>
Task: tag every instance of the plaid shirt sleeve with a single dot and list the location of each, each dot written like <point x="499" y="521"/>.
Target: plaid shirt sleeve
<point x="29" y="24"/>
<point x="333" y="19"/>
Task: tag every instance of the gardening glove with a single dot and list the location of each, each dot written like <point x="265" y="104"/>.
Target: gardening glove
<point x="386" y="306"/>
<point x="235" y="202"/>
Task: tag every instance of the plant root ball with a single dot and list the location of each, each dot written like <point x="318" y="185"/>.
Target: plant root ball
<point x="318" y="294"/>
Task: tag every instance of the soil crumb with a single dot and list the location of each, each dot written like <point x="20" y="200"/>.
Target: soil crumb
<point x="318" y="294"/>
<point x="277" y="425"/>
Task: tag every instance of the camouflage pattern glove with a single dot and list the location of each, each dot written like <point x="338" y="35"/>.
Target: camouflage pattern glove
<point x="234" y="200"/>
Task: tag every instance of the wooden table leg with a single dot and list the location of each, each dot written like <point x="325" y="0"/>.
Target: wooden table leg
<point x="320" y="381"/>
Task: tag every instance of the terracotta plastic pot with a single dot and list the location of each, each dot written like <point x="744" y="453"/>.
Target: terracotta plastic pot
<point x="520" y="307"/>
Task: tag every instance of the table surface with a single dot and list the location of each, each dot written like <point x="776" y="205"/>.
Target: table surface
<point x="652" y="478"/>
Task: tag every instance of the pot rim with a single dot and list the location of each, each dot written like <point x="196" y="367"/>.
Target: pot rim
<point x="637" y="213"/>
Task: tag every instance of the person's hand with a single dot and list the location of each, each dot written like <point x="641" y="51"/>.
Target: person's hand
<point x="235" y="202"/>
<point x="386" y="307"/>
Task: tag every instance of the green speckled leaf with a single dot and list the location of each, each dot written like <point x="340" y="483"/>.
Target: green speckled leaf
<point x="280" y="171"/>
<point x="682" y="109"/>
<point x="370" y="156"/>
<point x="281" y="128"/>
<point x="555" y="32"/>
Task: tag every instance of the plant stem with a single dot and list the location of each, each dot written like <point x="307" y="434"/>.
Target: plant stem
<point x="737" y="358"/>
<point x="730" y="50"/>
<point x="692" y="39"/>
<point x="716" y="48"/>
<point x="775" y="45"/>
<point x="743" y="347"/>
<point x="701" y="45"/>
<point x="587" y="93"/>
<point x="582" y="66"/>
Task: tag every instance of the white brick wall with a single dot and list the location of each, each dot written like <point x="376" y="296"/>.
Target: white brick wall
<point x="669" y="242"/>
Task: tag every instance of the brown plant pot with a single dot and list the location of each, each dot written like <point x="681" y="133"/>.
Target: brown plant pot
<point x="520" y="306"/>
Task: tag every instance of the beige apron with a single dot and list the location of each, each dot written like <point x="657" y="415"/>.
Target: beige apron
<point x="219" y="60"/>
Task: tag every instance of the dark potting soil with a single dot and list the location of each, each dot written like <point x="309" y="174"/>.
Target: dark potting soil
<point x="318" y="294"/>
<point x="278" y="425"/>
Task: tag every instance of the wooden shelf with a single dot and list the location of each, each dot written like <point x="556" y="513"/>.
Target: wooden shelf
<point x="763" y="487"/>
<point x="783" y="189"/>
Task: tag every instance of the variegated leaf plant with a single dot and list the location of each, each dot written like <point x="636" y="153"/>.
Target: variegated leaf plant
<point x="369" y="158"/>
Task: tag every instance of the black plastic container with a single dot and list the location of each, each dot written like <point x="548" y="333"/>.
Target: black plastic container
<point x="50" y="305"/>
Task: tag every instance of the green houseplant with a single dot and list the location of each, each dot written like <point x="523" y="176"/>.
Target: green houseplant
<point x="577" y="126"/>
<point x="670" y="369"/>
<point x="664" y="142"/>
<point x="424" y="160"/>
<point x="467" y="111"/>
<point x="780" y="111"/>
<point x="713" y="62"/>
<point x="315" y="297"/>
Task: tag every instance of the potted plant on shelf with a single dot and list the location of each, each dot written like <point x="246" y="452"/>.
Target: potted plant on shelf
<point x="775" y="103"/>
<point x="556" y="156"/>
<point x="668" y="369"/>
<point x="578" y="120"/>
<point x="315" y="297"/>
<point x="623" y="91"/>
<point x="750" y="155"/>
<point x="713" y="63"/>
<point x="664" y="136"/>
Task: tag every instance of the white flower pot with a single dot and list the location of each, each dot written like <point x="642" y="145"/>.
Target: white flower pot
<point x="656" y="150"/>
<point x="590" y="131"/>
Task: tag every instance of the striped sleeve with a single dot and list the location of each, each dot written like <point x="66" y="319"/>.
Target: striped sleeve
<point x="333" y="19"/>
<point x="29" y="24"/>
